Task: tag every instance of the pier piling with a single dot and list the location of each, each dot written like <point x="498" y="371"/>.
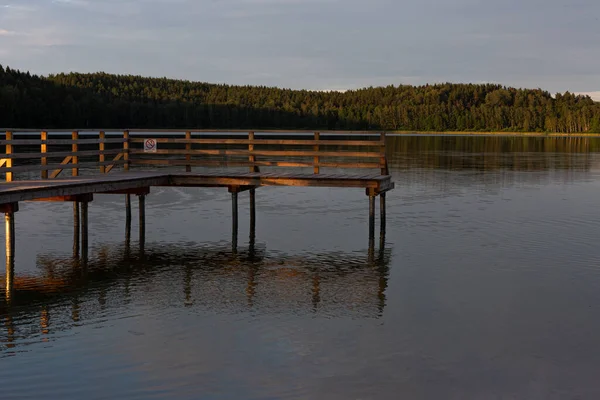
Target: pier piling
<point x="84" y="231"/>
<point x="234" y="220"/>
<point x="76" y="229"/>
<point x="142" y="219"/>
<point x="9" y="218"/>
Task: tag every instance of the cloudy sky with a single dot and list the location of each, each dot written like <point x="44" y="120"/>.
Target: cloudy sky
<point x="313" y="44"/>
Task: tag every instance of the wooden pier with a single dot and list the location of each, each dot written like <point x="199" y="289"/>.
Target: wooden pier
<point x="131" y="162"/>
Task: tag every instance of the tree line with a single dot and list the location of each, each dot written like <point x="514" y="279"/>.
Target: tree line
<point x="101" y="100"/>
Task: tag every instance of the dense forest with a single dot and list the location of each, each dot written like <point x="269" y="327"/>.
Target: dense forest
<point x="103" y="100"/>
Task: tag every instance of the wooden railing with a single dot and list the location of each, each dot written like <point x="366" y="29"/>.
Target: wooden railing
<point x="319" y="150"/>
<point x="94" y="150"/>
<point x="52" y="150"/>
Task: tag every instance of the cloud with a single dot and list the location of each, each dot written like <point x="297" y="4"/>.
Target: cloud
<point x="319" y="44"/>
<point x="594" y="95"/>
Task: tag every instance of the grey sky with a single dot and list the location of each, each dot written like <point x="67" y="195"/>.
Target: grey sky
<point x="313" y="44"/>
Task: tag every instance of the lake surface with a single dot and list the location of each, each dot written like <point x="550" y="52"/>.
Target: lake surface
<point x="487" y="287"/>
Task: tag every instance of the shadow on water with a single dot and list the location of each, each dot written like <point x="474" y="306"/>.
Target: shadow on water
<point x="211" y="277"/>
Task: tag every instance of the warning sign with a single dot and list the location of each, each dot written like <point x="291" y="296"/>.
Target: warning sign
<point x="150" y="146"/>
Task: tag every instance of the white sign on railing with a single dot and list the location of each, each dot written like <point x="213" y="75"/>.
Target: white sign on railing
<point x="150" y="146"/>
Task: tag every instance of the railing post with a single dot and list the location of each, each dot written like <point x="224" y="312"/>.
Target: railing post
<point x="188" y="148"/>
<point x="75" y="149"/>
<point x="9" y="152"/>
<point x="383" y="157"/>
<point x="126" y="150"/>
<point x="251" y="157"/>
<point x="101" y="148"/>
<point x="44" y="150"/>
<point x="316" y="149"/>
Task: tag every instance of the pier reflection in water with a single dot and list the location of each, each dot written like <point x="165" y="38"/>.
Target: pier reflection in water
<point x="213" y="277"/>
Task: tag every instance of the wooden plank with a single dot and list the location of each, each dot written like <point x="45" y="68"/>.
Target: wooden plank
<point x="61" y="166"/>
<point x="312" y="180"/>
<point x="50" y="142"/>
<point x="139" y="161"/>
<point x="256" y="142"/>
<point x="56" y="172"/>
<point x="136" y="191"/>
<point x="13" y="192"/>
<point x="114" y="162"/>
<point x="61" y="154"/>
<point x="44" y="150"/>
<point x="226" y="163"/>
<point x="252" y="153"/>
<point x="87" y="197"/>
<point x="349" y="165"/>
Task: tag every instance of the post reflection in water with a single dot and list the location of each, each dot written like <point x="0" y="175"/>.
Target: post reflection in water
<point x="268" y="281"/>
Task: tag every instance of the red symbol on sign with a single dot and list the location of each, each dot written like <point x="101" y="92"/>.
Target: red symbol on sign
<point x="150" y="145"/>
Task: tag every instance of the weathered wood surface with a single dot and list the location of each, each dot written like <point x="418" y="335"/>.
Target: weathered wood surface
<point x="16" y="191"/>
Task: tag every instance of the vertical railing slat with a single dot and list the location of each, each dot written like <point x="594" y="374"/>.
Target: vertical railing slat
<point x="126" y="150"/>
<point x="9" y="161"/>
<point x="101" y="147"/>
<point x="188" y="155"/>
<point x="44" y="150"/>
<point x="74" y="149"/>
<point x="251" y="157"/>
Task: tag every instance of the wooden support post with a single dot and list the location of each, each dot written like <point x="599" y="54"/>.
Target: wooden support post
<point x="234" y="225"/>
<point x="127" y="219"/>
<point x="252" y="220"/>
<point x="9" y="218"/>
<point x="74" y="149"/>
<point x="76" y="230"/>
<point x="142" y="222"/>
<point x="84" y="231"/>
<point x="188" y="147"/>
<point x="382" y="221"/>
<point x="9" y="161"/>
<point x="382" y="212"/>
<point x="371" y="217"/>
<point x="316" y="149"/>
<point x="126" y="150"/>
<point x="101" y="148"/>
<point x="44" y="150"/>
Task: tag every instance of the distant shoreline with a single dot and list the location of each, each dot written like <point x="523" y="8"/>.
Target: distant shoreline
<point x="482" y="133"/>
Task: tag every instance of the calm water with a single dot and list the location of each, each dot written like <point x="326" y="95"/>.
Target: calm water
<point x="487" y="287"/>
